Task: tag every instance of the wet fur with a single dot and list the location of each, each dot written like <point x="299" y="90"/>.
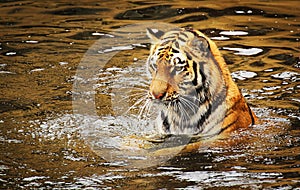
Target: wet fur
<point x="213" y="105"/>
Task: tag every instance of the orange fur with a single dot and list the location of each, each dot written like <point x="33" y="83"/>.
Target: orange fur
<point x="236" y="103"/>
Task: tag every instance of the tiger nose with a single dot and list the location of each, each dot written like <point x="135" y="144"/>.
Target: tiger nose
<point x="158" y="96"/>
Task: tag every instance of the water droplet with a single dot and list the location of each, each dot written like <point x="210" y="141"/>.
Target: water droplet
<point x="63" y="63"/>
<point x="32" y="41"/>
<point x="11" y="53"/>
<point x="234" y="33"/>
<point x="242" y="75"/>
<point x="241" y="51"/>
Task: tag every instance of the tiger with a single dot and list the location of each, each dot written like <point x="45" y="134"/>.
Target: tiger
<point x="192" y="85"/>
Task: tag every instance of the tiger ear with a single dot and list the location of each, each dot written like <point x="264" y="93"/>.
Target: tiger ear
<point x="154" y="34"/>
<point x="200" y="43"/>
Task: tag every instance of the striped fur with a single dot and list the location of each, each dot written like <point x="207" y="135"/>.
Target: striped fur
<point x="191" y="81"/>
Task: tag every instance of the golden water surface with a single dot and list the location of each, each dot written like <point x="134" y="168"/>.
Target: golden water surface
<point x="42" y="46"/>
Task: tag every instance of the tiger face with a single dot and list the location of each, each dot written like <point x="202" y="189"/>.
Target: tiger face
<point x="190" y="81"/>
<point x="175" y="66"/>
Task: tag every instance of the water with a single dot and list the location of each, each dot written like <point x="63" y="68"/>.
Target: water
<point x="50" y="138"/>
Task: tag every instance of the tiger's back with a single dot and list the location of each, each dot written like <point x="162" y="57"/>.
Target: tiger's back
<point x="191" y="81"/>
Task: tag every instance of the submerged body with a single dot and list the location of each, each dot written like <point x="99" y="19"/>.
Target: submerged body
<point x="191" y="82"/>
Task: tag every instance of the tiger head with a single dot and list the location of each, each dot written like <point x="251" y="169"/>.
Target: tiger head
<point x="180" y="62"/>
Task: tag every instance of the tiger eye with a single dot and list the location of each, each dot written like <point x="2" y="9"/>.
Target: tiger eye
<point x="180" y="68"/>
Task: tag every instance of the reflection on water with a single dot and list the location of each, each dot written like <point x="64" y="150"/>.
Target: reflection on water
<point x="44" y="145"/>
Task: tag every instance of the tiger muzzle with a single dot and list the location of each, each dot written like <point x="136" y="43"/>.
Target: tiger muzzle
<point x="162" y="85"/>
<point x="158" y="89"/>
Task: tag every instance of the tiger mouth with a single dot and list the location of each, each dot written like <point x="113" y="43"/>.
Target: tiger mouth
<point x="178" y="101"/>
<point x="169" y="102"/>
<point x="164" y="98"/>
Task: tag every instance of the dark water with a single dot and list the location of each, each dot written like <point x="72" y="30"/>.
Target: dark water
<point x="46" y="47"/>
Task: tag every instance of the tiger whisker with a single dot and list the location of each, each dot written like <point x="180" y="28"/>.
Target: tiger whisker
<point x="136" y="103"/>
<point x="149" y="106"/>
<point x="185" y="103"/>
<point x="139" y="90"/>
<point x="138" y="94"/>
<point x="188" y="103"/>
<point x="184" y="112"/>
<point x="142" y="109"/>
<point x="146" y="108"/>
<point x="168" y="108"/>
<point x="130" y="97"/>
